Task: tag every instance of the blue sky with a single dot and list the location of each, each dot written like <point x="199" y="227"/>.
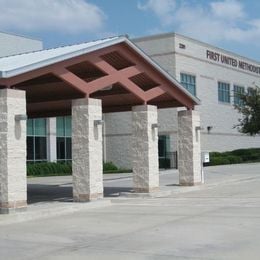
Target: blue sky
<point x="229" y="24"/>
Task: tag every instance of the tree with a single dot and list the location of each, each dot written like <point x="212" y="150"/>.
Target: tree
<point x="249" y="107"/>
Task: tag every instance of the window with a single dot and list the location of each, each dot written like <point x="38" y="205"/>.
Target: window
<point x="63" y="126"/>
<point x="189" y="82"/>
<point x="238" y="90"/>
<point x="250" y="91"/>
<point x="223" y="92"/>
<point x="36" y="140"/>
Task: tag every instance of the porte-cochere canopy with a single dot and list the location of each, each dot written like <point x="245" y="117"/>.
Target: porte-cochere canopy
<point x="113" y="70"/>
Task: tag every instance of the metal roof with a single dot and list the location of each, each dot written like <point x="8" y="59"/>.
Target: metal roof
<point x="17" y="64"/>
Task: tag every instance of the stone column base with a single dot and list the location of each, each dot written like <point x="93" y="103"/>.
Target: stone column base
<point x="183" y="183"/>
<point x="87" y="197"/>
<point x="12" y="207"/>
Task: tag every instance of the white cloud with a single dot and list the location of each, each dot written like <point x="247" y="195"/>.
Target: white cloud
<point x="163" y="9"/>
<point x="228" y="9"/>
<point x="217" y="21"/>
<point x="64" y="16"/>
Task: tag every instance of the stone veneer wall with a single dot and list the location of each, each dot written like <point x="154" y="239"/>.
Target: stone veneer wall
<point x="87" y="159"/>
<point x="189" y="153"/>
<point x="145" y="149"/>
<point x="13" y="183"/>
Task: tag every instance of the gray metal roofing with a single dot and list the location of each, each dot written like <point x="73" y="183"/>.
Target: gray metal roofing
<point x="17" y="64"/>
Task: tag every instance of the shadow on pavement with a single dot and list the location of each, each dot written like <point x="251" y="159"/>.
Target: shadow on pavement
<point x="47" y="193"/>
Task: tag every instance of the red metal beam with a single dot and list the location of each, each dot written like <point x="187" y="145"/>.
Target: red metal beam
<point x="73" y="80"/>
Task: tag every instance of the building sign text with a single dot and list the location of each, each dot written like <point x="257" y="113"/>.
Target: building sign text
<point x="224" y="59"/>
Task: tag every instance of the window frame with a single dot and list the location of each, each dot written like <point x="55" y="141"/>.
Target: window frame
<point x="237" y="101"/>
<point x="32" y="134"/>
<point x="189" y="85"/>
<point x="224" y="96"/>
<point x="66" y="136"/>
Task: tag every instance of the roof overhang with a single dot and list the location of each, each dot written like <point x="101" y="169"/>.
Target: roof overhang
<point x="114" y="70"/>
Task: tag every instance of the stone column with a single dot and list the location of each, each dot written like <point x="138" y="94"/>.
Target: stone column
<point x="189" y="155"/>
<point x="145" y="149"/>
<point x="13" y="183"/>
<point x="87" y="161"/>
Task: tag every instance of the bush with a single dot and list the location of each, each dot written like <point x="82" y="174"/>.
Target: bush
<point x="56" y="169"/>
<point x="236" y="156"/>
<point x="218" y="161"/>
<point x="49" y="169"/>
<point x="109" y="166"/>
<point x="234" y="159"/>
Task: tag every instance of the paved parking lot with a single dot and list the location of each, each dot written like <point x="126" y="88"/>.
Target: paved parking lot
<point x="220" y="220"/>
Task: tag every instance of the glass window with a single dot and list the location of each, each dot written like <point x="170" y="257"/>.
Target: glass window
<point x="64" y="138"/>
<point x="68" y="126"/>
<point x="223" y="92"/>
<point x="189" y="82"/>
<point x="238" y="90"/>
<point x="29" y="127"/>
<point x="40" y="148"/>
<point x="40" y="127"/>
<point x="60" y="126"/>
<point x="36" y="140"/>
<point x="250" y="91"/>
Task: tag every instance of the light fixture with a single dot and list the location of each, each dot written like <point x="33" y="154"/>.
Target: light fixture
<point x="20" y="117"/>
<point x="98" y="122"/>
<point x="154" y="126"/>
<point x="209" y="128"/>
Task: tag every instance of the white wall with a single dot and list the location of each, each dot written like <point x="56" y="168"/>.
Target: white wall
<point x="193" y="60"/>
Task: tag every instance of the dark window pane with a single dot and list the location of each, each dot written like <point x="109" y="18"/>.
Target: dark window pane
<point x="68" y="148"/>
<point x="29" y="148"/>
<point x="60" y="148"/>
<point x="40" y="148"/>
<point x="162" y="146"/>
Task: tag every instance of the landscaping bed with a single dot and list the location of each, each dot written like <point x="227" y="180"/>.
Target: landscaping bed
<point x="61" y="169"/>
<point x="233" y="157"/>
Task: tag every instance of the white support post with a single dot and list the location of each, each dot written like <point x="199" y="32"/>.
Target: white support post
<point x="145" y="149"/>
<point x="52" y="140"/>
<point x="87" y="162"/>
<point x="13" y="183"/>
<point x="189" y="155"/>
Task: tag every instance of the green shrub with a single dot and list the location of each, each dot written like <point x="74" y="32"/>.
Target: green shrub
<point x="218" y="160"/>
<point x="109" y="166"/>
<point x="54" y="169"/>
<point x="236" y="156"/>
<point x="48" y="169"/>
<point x="234" y="159"/>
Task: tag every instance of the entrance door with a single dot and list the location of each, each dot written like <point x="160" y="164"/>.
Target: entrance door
<point x="163" y="148"/>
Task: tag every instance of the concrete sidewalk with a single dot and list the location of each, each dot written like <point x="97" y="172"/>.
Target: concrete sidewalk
<point x="219" y="220"/>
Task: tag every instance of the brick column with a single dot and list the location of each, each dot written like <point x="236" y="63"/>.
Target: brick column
<point x="189" y="155"/>
<point x="13" y="183"/>
<point x="145" y="149"/>
<point x="87" y="161"/>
